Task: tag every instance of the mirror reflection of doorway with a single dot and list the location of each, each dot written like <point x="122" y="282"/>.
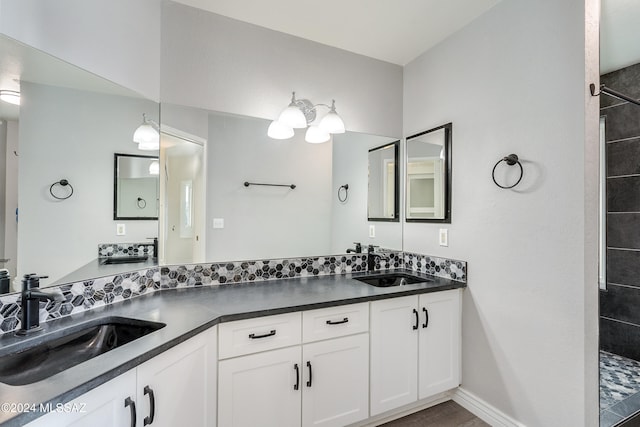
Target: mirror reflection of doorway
<point x="183" y="177"/>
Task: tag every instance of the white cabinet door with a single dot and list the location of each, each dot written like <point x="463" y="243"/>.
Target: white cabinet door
<point x="178" y="387"/>
<point x="439" y="342"/>
<point x="394" y="353"/>
<point x="262" y="389"/>
<point x="336" y="381"/>
<point x="104" y="406"/>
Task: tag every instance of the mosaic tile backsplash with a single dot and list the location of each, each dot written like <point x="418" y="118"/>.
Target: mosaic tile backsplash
<point x="125" y="249"/>
<point x="88" y="294"/>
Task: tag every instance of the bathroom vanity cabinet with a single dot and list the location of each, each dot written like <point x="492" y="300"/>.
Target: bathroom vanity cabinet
<point x="326" y="367"/>
<point x="415" y="348"/>
<point x="322" y="379"/>
<point x="176" y="387"/>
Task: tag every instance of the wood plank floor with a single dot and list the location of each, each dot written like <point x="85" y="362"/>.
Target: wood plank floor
<point x="447" y="414"/>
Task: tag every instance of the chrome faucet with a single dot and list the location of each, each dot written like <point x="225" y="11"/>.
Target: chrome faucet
<point x="30" y="302"/>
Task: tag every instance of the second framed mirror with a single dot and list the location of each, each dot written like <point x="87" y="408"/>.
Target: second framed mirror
<point x="428" y="175"/>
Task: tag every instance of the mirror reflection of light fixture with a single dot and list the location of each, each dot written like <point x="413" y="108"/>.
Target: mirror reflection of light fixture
<point x="146" y="135"/>
<point x="10" y="96"/>
<point x="154" y="168"/>
<point x="299" y="114"/>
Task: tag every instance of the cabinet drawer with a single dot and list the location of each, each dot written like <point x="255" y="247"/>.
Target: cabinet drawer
<point x="259" y="334"/>
<point x="335" y="322"/>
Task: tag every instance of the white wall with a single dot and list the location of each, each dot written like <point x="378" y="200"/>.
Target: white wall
<point x="514" y="82"/>
<point x="72" y="134"/>
<point x="349" y="219"/>
<point x="217" y="63"/>
<point x="265" y="222"/>
<point x="116" y="39"/>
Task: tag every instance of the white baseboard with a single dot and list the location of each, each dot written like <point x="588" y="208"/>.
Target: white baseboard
<point x="481" y="409"/>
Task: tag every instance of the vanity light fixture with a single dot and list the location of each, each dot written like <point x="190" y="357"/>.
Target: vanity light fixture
<point x="154" y="168"/>
<point x="146" y="135"/>
<point x="299" y="114"/>
<point x="10" y="96"/>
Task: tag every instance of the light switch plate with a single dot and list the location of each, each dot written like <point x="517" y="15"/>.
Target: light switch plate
<point x="372" y="231"/>
<point x="218" y="222"/>
<point x="443" y="237"/>
<point x="120" y="230"/>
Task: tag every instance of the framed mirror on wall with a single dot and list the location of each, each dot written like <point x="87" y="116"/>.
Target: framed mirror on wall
<point x="428" y="175"/>
<point x="135" y="187"/>
<point x="383" y="202"/>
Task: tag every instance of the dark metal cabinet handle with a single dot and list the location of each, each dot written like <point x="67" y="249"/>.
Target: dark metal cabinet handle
<point x="426" y="317"/>
<point x="339" y="322"/>
<point x="132" y="408"/>
<point x="417" y="319"/>
<point x="152" y="406"/>
<point x="270" y="334"/>
<point x="297" y="386"/>
<point x="309" y="366"/>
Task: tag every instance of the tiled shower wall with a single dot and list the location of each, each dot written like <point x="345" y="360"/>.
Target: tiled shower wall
<point x="620" y="303"/>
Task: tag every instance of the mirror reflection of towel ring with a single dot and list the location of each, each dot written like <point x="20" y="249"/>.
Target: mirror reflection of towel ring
<point x="142" y="203"/>
<point x="511" y="160"/>
<point x="62" y="183"/>
<point x="346" y="193"/>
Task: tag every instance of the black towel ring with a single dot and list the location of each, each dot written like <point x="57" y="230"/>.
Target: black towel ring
<point x="62" y="183"/>
<point x="346" y="193"/>
<point x="142" y="203"/>
<point x="511" y="160"/>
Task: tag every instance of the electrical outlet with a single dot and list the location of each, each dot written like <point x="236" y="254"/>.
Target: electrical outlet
<point x="218" y="222"/>
<point x="120" y="230"/>
<point x="444" y="237"/>
<point x="372" y="231"/>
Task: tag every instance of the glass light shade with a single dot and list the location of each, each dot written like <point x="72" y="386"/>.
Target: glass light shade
<point x="145" y="134"/>
<point x="278" y="130"/>
<point x="332" y="123"/>
<point x="315" y="135"/>
<point x="293" y="117"/>
<point x="154" y="168"/>
<point x="10" y="96"/>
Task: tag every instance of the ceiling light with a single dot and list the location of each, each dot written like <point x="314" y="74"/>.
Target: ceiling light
<point x="277" y="130"/>
<point x="315" y="135"/>
<point x="299" y="114"/>
<point x="154" y="168"/>
<point x="146" y="135"/>
<point x="10" y="96"/>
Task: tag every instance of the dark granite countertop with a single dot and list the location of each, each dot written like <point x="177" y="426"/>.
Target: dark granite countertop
<point x="186" y="312"/>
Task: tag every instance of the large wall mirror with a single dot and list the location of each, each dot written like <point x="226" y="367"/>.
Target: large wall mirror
<point x="383" y="192"/>
<point x="68" y="126"/>
<point x="428" y="176"/>
<point x="238" y="222"/>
